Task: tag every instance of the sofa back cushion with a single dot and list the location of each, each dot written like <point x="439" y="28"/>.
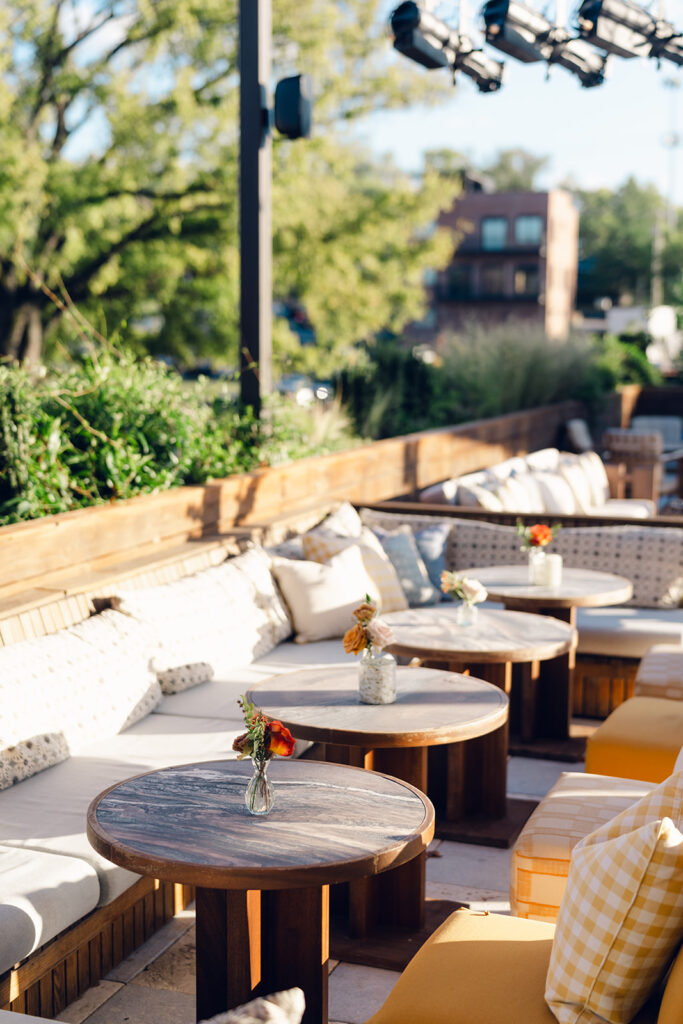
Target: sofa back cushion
<point x="650" y="557"/>
<point x="221" y="618"/>
<point x="78" y="685"/>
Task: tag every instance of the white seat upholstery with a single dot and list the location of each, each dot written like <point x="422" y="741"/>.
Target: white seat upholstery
<point x="29" y="913"/>
<point x="627" y="632"/>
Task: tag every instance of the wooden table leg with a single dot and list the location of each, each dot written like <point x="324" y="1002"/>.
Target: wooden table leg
<point x="486" y="774"/>
<point x="528" y="675"/>
<point x="295" y="946"/>
<point x="498" y="673"/>
<point x="252" y="943"/>
<point x="228" y="954"/>
<point x="397" y="896"/>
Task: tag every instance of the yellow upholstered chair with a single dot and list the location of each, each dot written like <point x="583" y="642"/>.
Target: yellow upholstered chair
<point x="480" y="968"/>
<point x="640" y="739"/>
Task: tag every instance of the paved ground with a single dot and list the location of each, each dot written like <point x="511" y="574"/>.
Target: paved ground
<point x="156" y="983"/>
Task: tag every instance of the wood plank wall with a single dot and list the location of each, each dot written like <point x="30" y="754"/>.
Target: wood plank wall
<point x="398" y="466"/>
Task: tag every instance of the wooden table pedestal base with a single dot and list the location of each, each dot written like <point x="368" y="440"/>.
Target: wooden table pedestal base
<point x="254" y="943"/>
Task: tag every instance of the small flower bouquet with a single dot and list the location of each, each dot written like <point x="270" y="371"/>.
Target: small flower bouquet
<point x="537" y="536"/>
<point x="368" y="632"/>
<point x="377" y="670"/>
<point x="465" y="588"/>
<point x="262" y="741"/>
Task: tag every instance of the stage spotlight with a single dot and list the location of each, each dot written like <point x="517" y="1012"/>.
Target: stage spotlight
<point x="424" y="38"/>
<point x="628" y="30"/>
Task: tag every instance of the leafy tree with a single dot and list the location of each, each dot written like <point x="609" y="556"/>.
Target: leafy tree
<point x="515" y="170"/>
<point x="118" y="182"/>
<point x="616" y="237"/>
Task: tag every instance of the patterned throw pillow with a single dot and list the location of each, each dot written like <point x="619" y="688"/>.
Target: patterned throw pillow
<point x="620" y="924"/>
<point x="282" y="1008"/>
<point x="226" y="616"/>
<point x="86" y="682"/>
<point x="184" y="677"/>
<point x="31" y="756"/>
<point x="401" y="548"/>
<point x="321" y="546"/>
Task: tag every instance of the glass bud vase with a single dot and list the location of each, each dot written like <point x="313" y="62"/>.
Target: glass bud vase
<point x="376" y="677"/>
<point x="466" y="614"/>
<point x="537" y="558"/>
<point x="258" y="796"/>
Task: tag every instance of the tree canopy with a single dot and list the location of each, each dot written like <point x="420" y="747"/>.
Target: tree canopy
<point x="118" y="184"/>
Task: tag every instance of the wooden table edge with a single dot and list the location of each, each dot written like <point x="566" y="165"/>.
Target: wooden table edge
<point x="541" y="652"/>
<point x="211" y="877"/>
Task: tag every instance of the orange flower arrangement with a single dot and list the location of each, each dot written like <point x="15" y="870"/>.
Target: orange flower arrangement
<point x="537" y="536"/>
<point x="263" y="739"/>
<point x="368" y="631"/>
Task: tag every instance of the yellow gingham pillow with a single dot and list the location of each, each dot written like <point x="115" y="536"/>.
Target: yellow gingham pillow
<point x="320" y="546"/>
<point x="619" y="925"/>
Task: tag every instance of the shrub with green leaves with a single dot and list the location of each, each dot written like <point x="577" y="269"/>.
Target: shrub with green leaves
<point x="113" y="426"/>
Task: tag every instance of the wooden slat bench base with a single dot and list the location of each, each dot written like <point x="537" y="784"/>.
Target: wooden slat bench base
<point x="601" y="684"/>
<point x="59" y="972"/>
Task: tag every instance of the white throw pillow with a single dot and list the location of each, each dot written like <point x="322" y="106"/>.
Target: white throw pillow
<point x="596" y="475"/>
<point x="320" y="596"/>
<point x="320" y="546"/>
<point x="556" y="492"/>
<point x="344" y="522"/>
<point x="573" y="472"/>
<point x="477" y="496"/>
<point x="543" y="461"/>
<point x="514" y="496"/>
<point x="534" y="498"/>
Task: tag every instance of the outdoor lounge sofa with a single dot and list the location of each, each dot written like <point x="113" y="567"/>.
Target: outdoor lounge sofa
<point x="612" y="640"/>
<point x="83" y="707"/>
<point x="544" y="482"/>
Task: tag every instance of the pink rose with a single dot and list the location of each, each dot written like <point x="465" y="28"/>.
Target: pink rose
<point x="379" y="634"/>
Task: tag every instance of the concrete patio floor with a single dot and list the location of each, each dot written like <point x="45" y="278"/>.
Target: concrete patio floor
<point x="156" y="983"/>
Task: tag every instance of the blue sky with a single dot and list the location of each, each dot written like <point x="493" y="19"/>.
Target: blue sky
<point x="598" y="137"/>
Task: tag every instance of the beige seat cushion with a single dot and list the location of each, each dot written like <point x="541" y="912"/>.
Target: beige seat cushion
<point x="41" y="894"/>
<point x="575" y="806"/>
<point x="660" y="673"/>
<point x="48" y="812"/>
<point x="218" y="698"/>
<point x="627" y="632"/>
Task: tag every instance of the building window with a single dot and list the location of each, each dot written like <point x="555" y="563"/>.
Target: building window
<point x="458" y="283"/>
<point x="493" y="233"/>
<point x="528" y="229"/>
<point x="493" y="281"/>
<point x="526" y="280"/>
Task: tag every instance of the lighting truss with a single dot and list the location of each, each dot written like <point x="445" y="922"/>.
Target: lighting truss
<point x="424" y="38"/>
<point x="628" y="30"/>
<point x="523" y="33"/>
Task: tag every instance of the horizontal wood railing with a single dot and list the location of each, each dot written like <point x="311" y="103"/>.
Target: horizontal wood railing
<point x="35" y="552"/>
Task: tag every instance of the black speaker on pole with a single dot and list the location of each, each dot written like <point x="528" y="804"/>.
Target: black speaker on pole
<point x="294" y="106"/>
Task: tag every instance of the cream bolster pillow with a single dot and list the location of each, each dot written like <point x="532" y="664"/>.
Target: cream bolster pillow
<point x="22" y="760"/>
<point x="619" y="926"/>
<point x="321" y="597"/>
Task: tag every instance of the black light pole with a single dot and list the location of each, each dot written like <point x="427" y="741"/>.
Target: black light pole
<point x="256" y="304"/>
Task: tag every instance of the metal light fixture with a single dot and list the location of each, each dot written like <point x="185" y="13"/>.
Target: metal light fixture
<point x="628" y="30"/>
<point x="424" y="38"/>
<point x="522" y="32"/>
<point x="582" y="60"/>
<point x="517" y="30"/>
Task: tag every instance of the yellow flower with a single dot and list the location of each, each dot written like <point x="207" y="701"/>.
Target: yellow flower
<point x="354" y="639"/>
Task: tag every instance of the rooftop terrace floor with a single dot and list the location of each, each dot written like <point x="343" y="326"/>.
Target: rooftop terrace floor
<point x="156" y="983"/>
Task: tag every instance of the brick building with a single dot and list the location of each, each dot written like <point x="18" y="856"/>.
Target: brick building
<point x="517" y="259"/>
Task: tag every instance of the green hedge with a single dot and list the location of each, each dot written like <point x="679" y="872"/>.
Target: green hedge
<point x="113" y="426"/>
